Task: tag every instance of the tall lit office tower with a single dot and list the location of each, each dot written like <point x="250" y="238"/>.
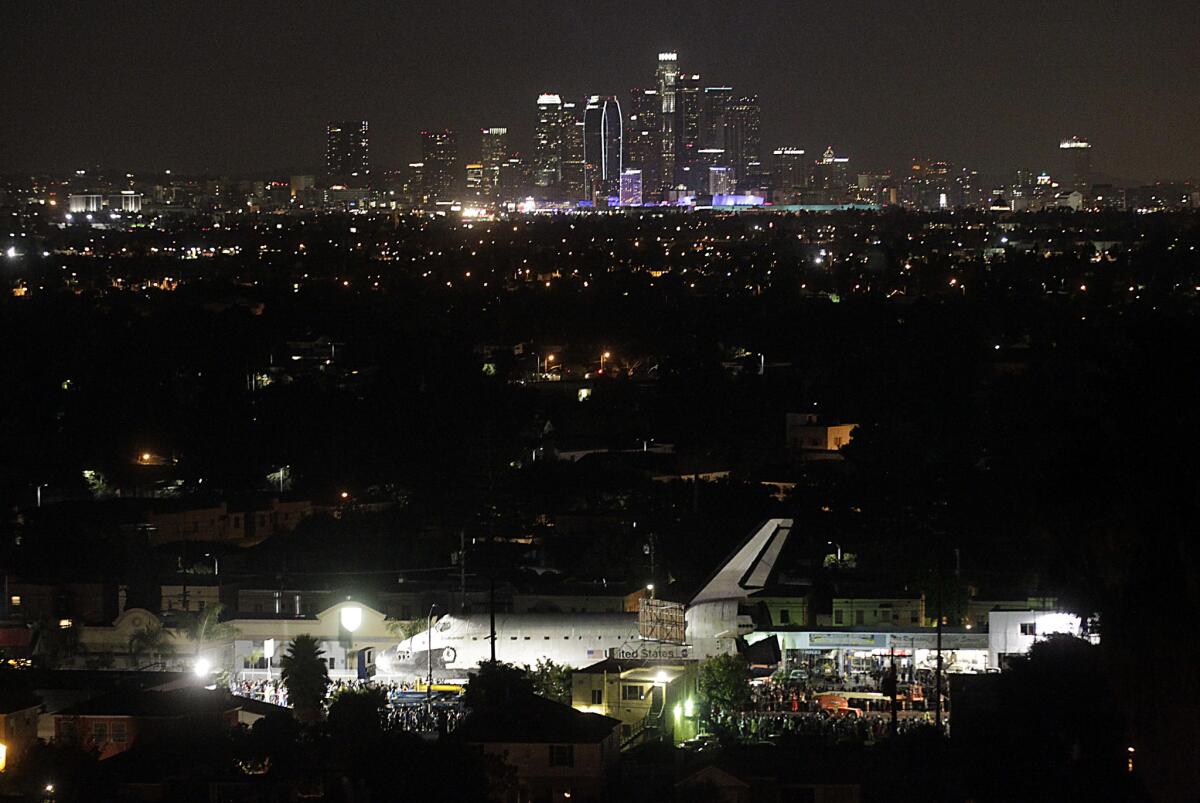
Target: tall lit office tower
<point x="574" y="169"/>
<point x="631" y="187"/>
<point x="643" y="135"/>
<point x="713" y="104"/>
<point x="548" y="141"/>
<point x="668" y="80"/>
<point x="475" y="180"/>
<point x="1080" y="153"/>
<point x="721" y="181"/>
<point x="831" y="176"/>
<point x="790" y="170"/>
<point x="603" y="146"/>
<point x="439" y="151"/>
<point x="697" y="181"/>
<point x="688" y="97"/>
<point x="493" y="147"/>
<point x="742" y="140"/>
<point x="346" y="149"/>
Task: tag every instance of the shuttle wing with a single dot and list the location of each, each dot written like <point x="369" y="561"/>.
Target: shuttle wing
<point x="750" y="566"/>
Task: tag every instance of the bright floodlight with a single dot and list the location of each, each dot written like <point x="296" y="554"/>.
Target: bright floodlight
<point x="202" y="667"/>
<point x="661" y="677"/>
<point x="351" y="617"/>
<point x="269" y="649"/>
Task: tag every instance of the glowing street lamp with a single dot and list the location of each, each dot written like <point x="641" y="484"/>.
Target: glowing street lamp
<point x="606" y="355"/>
<point x="352" y="616"/>
<point x="202" y="667"/>
<point x="269" y="653"/>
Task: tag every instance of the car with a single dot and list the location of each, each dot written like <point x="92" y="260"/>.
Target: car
<point x="700" y="744"/>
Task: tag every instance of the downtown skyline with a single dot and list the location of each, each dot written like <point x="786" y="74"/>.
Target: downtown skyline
<point x="993" y="89"/>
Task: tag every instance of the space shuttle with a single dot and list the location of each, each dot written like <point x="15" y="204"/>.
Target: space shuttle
<point x="456" y="645"/>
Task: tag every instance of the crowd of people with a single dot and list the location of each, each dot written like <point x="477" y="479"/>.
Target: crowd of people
<point x="268" y="691"/>
<point x="826" y="726"/>
<point x="405" y="707"/>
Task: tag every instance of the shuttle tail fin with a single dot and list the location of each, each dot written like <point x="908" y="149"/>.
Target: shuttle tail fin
<point x="749" y="567"/>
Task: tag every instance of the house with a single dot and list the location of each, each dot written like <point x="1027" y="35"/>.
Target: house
<point x="907" y="611"/>
<point x="114" y="722"/>
<point x="650" y="697"/>
<point x="19" y="709"/>
<point x="559" y="754"/>
<point x="805" y="431"/>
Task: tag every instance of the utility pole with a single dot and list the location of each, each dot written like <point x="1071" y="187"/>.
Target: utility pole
<point x="429" y="661"/>
<point x="937" y="681"/>
<point x="492" y="617"/>
<point x="890" y="687"/>
<point x="462" y="571"/>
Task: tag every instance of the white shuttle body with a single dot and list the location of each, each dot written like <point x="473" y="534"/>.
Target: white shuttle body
<point x="456" y="645"/>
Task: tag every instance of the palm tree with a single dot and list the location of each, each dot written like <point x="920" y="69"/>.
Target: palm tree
<point x="305" y="676"/>
<point x="405" y="628"/>
<point x="152" y="640"/>
<point x="205" y="626"/>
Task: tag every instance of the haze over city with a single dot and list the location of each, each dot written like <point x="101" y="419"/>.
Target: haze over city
<point x="239" y="87"/>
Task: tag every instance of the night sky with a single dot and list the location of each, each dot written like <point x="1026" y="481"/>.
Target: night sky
<point x="247" y="86"/>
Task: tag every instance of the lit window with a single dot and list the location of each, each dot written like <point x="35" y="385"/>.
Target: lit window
<point x="631" y="692"/>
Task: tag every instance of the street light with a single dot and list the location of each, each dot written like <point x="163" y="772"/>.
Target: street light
<point x="839" y="550"/>
<point x="202" y="667"/>
<point x="351" y="616"/>
<point x="269" y="653"/>
<point x="604" y="356"/>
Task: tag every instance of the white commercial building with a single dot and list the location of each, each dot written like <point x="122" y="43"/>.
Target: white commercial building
<point x="1014" y="632"/>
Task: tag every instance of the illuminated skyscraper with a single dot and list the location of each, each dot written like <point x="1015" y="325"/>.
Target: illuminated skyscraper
<point x="742" y="140"/>
<point x="643" y="137"/>
<point x="688" y="98"/>
<point x="631" y="187"/>
<point x="698" y="177"/>
<point x="346" y="149"/>
<point x="721" y="181"/>
<point x="1080" y="153"/>
<point x="493" y="147"/>
<point x="439" y="150"/>
<point x="574" y="169"/>
<point x="713" y="104"/>
<point x="668" y="79"/>
<point x="603" y="146"/>
<point x="548" y="141"/>
<point x="831" y="177"/>
<point x="791" y="170"/>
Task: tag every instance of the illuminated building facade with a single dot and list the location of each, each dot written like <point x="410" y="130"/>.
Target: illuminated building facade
<point x="548" y="141"/>
<point x="1079" y="152"/>
<point x="603" y="146"/>
<point x="643" y="135"/>
<point x="668" y="80"/>
<point x="439" y="151"/>
<point x="574" y="162"/>
<point x="346" y="149"/>
<point x="493" y="147"/>
<point x="743" y="142"/>
<point x="791" y="170"/>
<point x="631" y="187"/>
